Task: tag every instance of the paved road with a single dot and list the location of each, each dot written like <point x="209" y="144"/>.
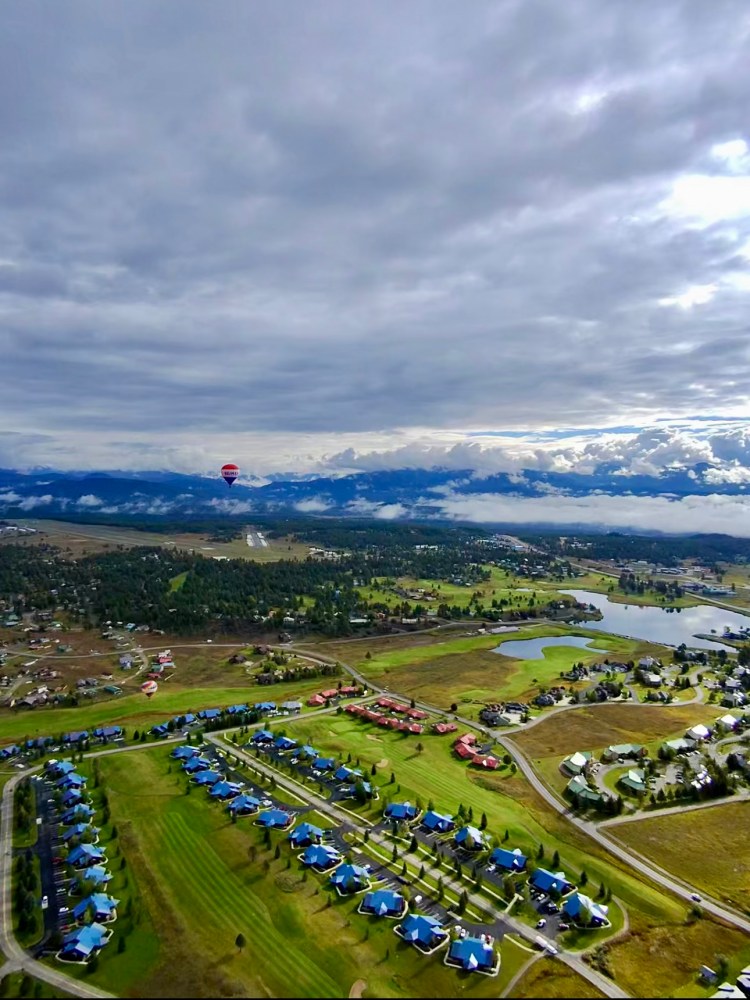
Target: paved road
<point x="357" y="824"/>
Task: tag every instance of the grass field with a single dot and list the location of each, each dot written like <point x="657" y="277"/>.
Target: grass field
<point x="198" y="881"/>
<point x="86" y="539"/>
<point x="135" y="711"/>
<point x="442" y="670"/>
<point x="19" y="984"/>
<point x="589" y="728"/>
<point x="548" y="977"/>
<point x="708" y="847"/>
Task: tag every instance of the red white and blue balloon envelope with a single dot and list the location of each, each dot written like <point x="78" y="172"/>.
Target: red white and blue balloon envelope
<point x="229" y="472"/>
<point x="149" y="688"/>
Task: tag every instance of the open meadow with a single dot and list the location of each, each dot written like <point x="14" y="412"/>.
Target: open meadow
<point x="707" y="847"/>
<point x="442" y="669"/>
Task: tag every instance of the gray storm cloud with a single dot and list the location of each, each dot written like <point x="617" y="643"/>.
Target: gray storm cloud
<point x="223" y="221"/>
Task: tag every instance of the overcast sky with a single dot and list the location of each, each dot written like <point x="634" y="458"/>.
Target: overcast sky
<point x="271" y="232"/>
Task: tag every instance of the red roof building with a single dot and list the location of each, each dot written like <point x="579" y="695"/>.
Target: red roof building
<point x="416" y="713"/>
<point x="441" y="728"/>
<point x="489" y="763"/>
<point x="463" y="751"/>
<point x="316" y="700"/>
<point x="330" y="693"/>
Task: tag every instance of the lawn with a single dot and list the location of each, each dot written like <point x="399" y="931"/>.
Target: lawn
<point x="443" y="670"/>
<point x="19" y="984"/>
<point x="203" y="880"/>
<point x="688" y="845"/>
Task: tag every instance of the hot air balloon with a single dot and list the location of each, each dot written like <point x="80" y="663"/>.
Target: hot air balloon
<point x="149" y="688"/>
<point x="229" y="472"/>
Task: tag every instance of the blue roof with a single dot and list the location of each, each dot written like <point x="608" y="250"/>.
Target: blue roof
<point x="421" y="929"/>
<point x="237" y="709"/>
<point x="105" y="732"/>
<point x="545" y="880"/>
<point x="320" y="855"/>
<point x="71" y="780"/>
<point x="207" y="777"/>
<point x="196" y="764"/>
<point x="78" y="829"/>
<point x="383" y="902"/>
<point x="86" y="853"/>
<point x="401" y="810"/>
<point x="350" y="877"/>
<point x="71" y="797"/>
<point x="472" y="953"/>
<point x="62" y="767"/>
<point x="184" y="752"/>
<point x="274" y="817"/>
<point x="244" y="803"/>
<point x="262" y="736"/>
<point x="84" y="940"/>
<point x="577" y="901"/>
<point x="284" y="743"/>
<point x="225" y="789"/>
<point x="470" y="836"/>
<point x="209" y="713"/>
<point x="265" y="706"/>
<point x="160" y="730"/>
<point x="436" y="821"/>
<point x="98" y="903"/>
<point x="188" y="717"/>
<point x="76" y="813"/>
<point x="308" y="751"/>
<point x="96" y="874"/>
<point x="345" y="773"/>
<point x="324" y="763"/>
<point x="75" y="736"/>
<point x="509" y="860"/>
<point x="305" y="833"/>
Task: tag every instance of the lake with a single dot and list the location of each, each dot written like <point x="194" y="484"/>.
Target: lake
<point x="532" y="649"/>
<point x="658" y="624"/>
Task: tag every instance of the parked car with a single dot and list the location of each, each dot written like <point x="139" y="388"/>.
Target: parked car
<point x="541" y="923"/>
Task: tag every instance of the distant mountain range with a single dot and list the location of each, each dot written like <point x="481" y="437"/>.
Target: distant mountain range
<point x="393" y="494"/>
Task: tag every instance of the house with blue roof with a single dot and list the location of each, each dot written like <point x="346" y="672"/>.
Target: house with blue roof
<point x="323" y="763"/>
<point x="79" y="830"/>
<point x="162" y="729"/>
<point x="225" y="790"/>
<point x="84" y="855"/>
<point x="470" y="838"/>
<point x="237" y="709"/>
<point x="184" y="752"/>
<point x="77" y="814"/>
<point x="437" y="823"/>
<point x="401" y="811"/>
<point x="262" y="736"/>
<point x="308" y="751"/>
<point x="345" y="773"/>
<point x="39" y="743"/>
<point x="584" y="912"/>
<point x="424" y="932"/>
<point x="243" y="805"/>
<point x="350" y="879"/>
<point x="305" y="834"/>
<point x="72" y="780"/>
<point x="209" y="713"/>
<point x="195" y="764"/>
<point x="83" y="942"/>
<point x="275" y="819"/>
<point x="473" y="954"/>
<point x="186" y="719"/>
<point x="99" y="906"/>
<point x="321" y="857"/>
<point x="96" y="874"/>
<point x="509" y="861"/>
<point x="71" y="798"/>
<point x="58" y="768"/>
<point x="364" y="786"/>
<point x="76" y="737"/>
<point x="206" y="778"/>
<point x="10" y="751"/>
<point x="265" y="706"/>
<point x="108" y="732"/>
<point x="284" y="743"/>
<point x="546" y="881"/>
<point x="383" y="903"/>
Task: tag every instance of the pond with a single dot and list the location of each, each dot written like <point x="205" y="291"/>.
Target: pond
<point x="533" y="649"/>
<point x="670" y="627"/>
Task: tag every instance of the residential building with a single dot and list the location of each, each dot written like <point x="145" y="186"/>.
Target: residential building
<point x="321" y="857"/>
<point x="437" y="823"/>
<point x="576" y="763"/>
<point x="473" y="954"/>
<point x="99" y="906"/>
<point x="275" y="819"/>
<point x="349" y="879"/>
<point x="424" y="932"/>
<point x="509" y="861"/>
<point x="383" y="903"/>
<point x="305" y="834"/>
<point x="470" y="838"/>
<point x="582" y="910"/>
<point x="83" y="942"/>
<point x="546" y="881"/>
<point x="244" y="805"/>
<point x="402" y="811"/>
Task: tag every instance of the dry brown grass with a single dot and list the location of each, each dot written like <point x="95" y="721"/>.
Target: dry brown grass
<point x="550" y="978"/>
